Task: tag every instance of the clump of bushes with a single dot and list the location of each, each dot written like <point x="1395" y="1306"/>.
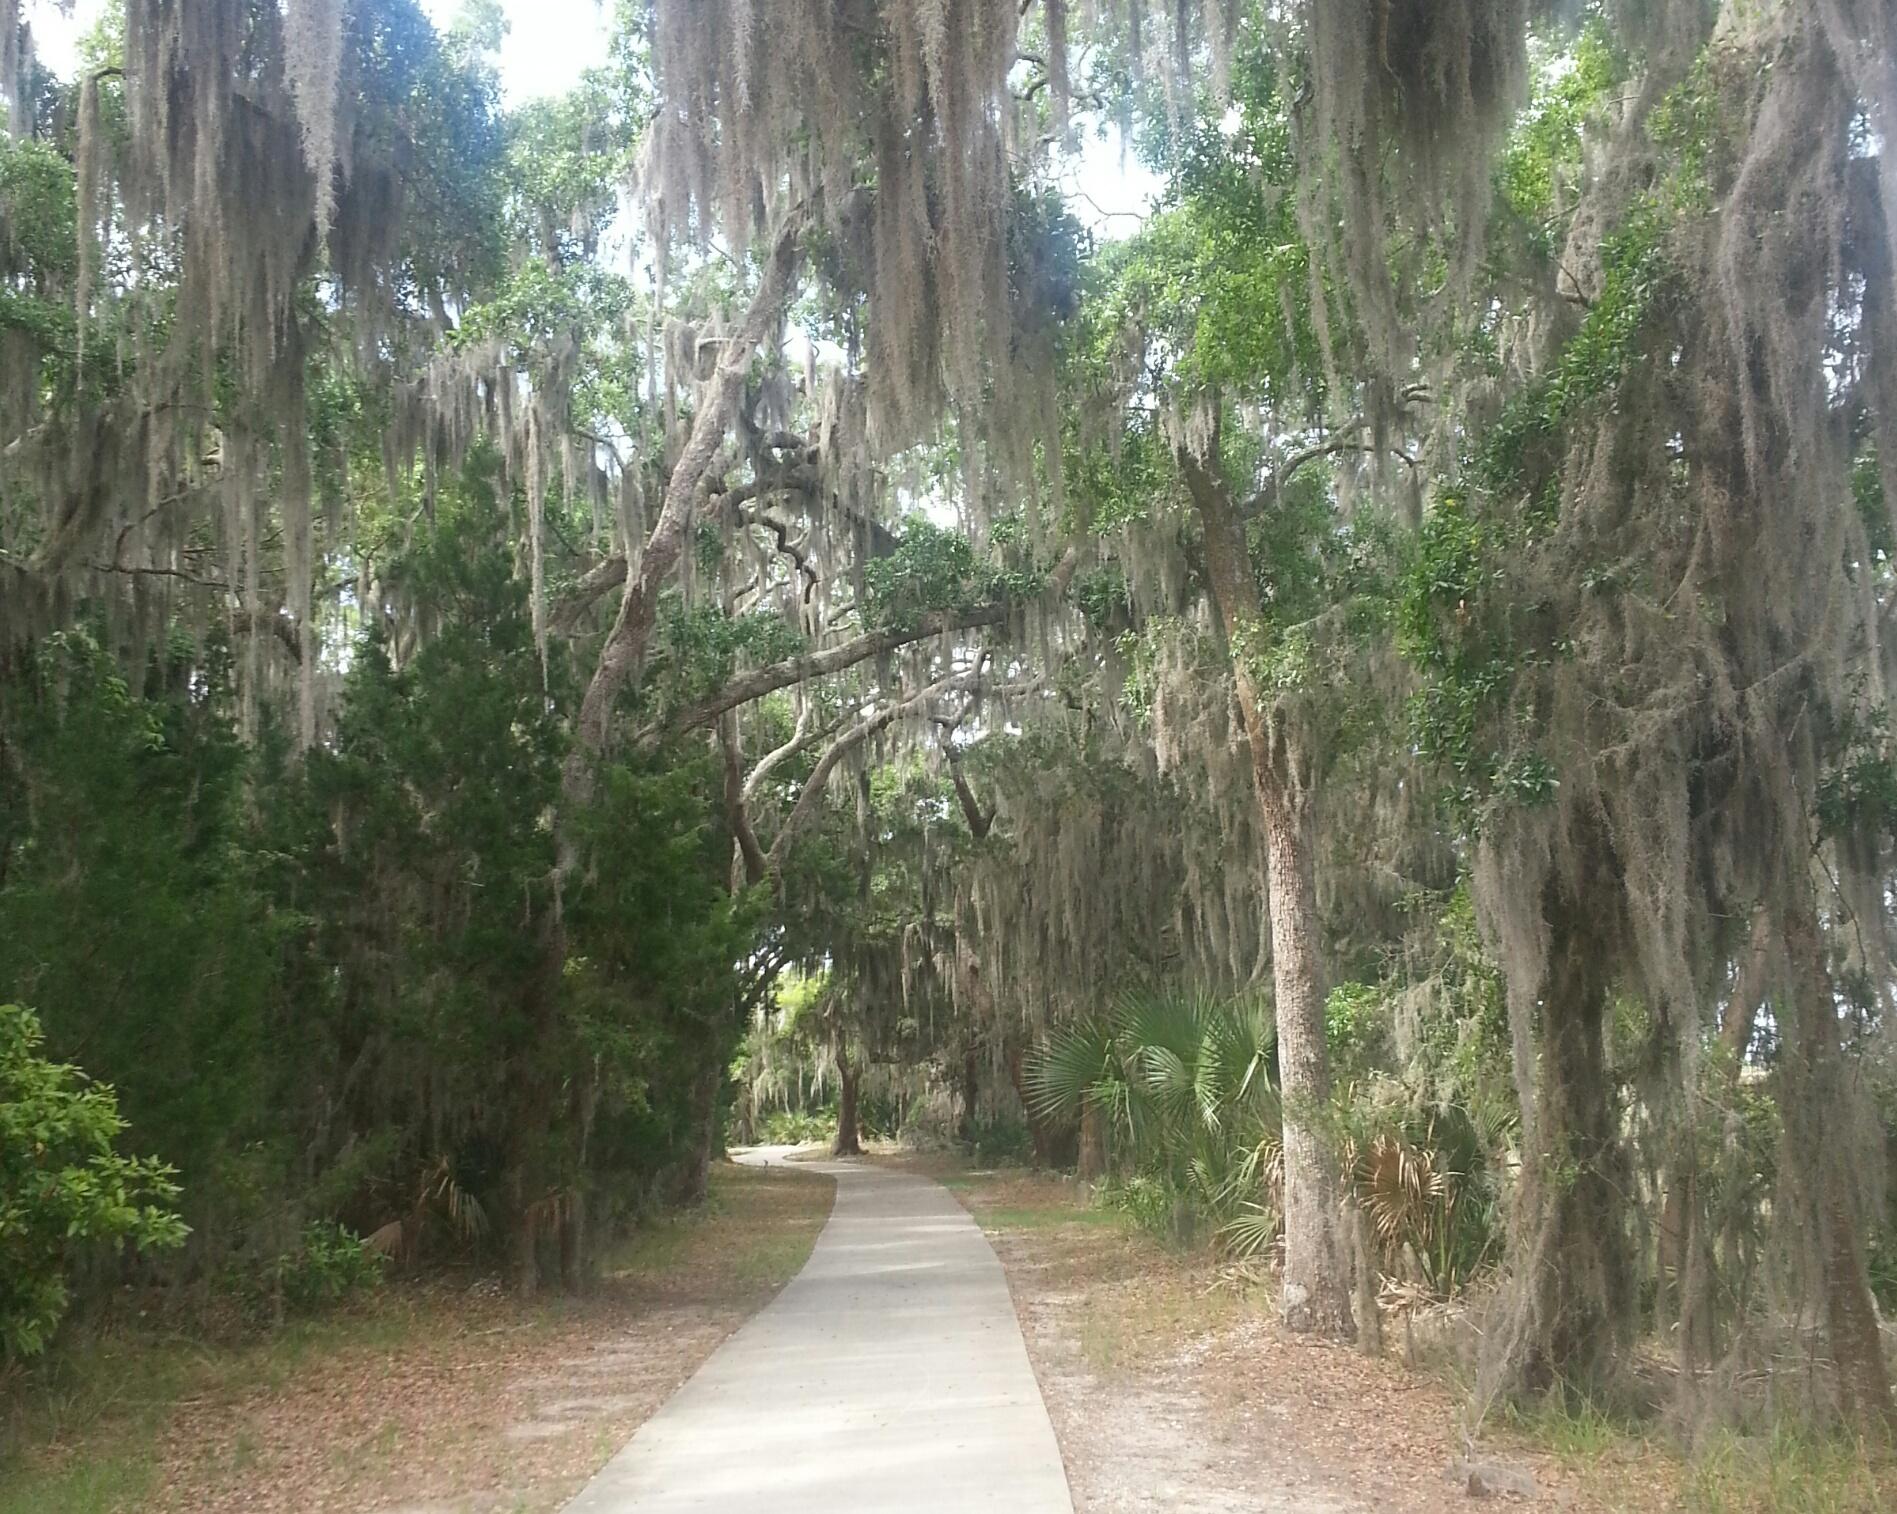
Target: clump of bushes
<point x="64" y="1185"/>
<point x="1000" y="1141"/>
<point x="1184" y="1086"/>
<point x="798" y="1127"/>
<point x="328" y="1265"/>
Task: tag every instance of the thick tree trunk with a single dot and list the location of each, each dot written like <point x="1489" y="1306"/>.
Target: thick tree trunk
<point x="849" y="1141"/>
<point x="694" y="1181"/>
<point x="1317" y="1270"/>
<point x="1817" y="1139"/>
<point x="527" y="1179"/>
<point x="1317" y="1264"/>
<point x="1052" y="1148"/>
<point x="971" y="1088"/>
<point x="523" y="1239"/>
<point x="1570" y="1302"/>
<point x="576" y="1259"/>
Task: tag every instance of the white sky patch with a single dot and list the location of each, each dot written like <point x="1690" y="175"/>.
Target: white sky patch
<point x="1111" y="191"/>
<point x="550" y="43"/>
<point x="56" y="34"/>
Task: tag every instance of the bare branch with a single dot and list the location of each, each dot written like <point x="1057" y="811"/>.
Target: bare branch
<point x="1348" y="437"/>
<point x="800" y="737"/>
<point x="737" y="814"/>
<point x="758" y="682"/>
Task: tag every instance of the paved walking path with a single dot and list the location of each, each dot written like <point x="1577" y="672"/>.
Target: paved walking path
<point x="889" y="1377"/>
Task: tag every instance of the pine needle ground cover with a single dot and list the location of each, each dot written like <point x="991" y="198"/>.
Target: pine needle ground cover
<point x="439" y="1397"/>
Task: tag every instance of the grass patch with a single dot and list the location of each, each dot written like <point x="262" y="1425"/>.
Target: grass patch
<point x="772" y="1261"/>
<point x="1575" y="1428"/>
<point x="1127" y="1328"/>
<point x="745" y="1228"/>
<point x="1788" y="1473"/>
<point x="1144" y="1295"/>
<point x="121" y="1480"/>
<point x="81" y="1427"/>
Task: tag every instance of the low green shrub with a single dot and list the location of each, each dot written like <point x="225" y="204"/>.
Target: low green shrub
<point x="1156" y="1205"/>
<point x="1001" y="1142"/>
<point x="1183" y="1083"/>
<point x="328" y="1266"/>
<point x="797" y="1127"/>
<point x="63" y="1186"/>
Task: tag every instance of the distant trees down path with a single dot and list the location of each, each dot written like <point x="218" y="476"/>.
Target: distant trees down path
<point x="1355" y="703"/>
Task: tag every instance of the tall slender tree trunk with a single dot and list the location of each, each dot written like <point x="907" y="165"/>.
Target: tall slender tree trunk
<point x="523" y="1244"/>
<point x="1052" y="1148"/>
<point x="529" y="1136"/>
<point x="620" y="658"/>
<point x="1093" y="1142"/>
<point x="576" y="1259"/>
<point x="849" y="1140"/>
<point x="1317" y="1264"/>
<point x="1685" y="1240"/>
<point x="573" y="1241"/>
<point x="619" y="661"/>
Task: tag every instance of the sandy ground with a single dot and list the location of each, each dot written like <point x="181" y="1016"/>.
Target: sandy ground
<point x="1173" y="1389"/>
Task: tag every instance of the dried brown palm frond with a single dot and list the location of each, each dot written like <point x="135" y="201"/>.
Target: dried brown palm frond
<point x="1400" y="1185"/>
<point x="438" y="1196"/>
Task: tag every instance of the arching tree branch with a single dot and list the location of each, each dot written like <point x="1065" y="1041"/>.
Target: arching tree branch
<point x="980" y="821"/>
<point x="1348" y="437"/>
<point x="626" y="643"/>
<point x="610" y="573"/>
<point x="855" y="736"/>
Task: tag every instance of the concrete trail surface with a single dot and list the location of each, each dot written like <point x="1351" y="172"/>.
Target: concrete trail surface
<point x="889" y="1377"/>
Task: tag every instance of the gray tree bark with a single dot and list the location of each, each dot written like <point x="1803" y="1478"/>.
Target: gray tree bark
<point x="1317" y="1262"/>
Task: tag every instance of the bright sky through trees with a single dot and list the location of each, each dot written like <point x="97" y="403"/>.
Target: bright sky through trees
<point x="550" y="42"/>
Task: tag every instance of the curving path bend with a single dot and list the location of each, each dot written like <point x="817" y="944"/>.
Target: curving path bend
<point x="889" y="1377"/>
